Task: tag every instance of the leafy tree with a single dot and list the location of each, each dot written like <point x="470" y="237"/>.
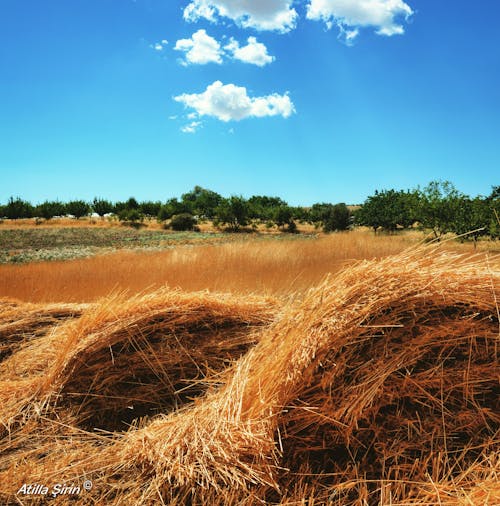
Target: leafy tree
<point x="102" y="206"/>
<point x="132" y="203"/>
<point x="264" y="208"/>
<point x="472" y="217"/>
<point x="233" y="211"/>
<point x="78" y="208"/>
<point x="17" y="208"/>
<point x="150" y="208"/>
<point x="300" y="214"/>
<point x="439" y="207"/>
<point x="131" y="217"/>
<point x="183" y="222"/>
<point x="164" y="213"/>
<point x="283" y="216"/>
<point x="389" y="209"/>
<point x="319" y="213"/>
<point x="338" y="218"/>
<point x="201" y="202"/>
<point x="493" y="203"/>
<point x="120" y="206"/>
<point x="50" y="208"/>
<point x="173" y="206"/>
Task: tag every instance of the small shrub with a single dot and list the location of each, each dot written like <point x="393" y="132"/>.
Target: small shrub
<point x="131" y="217"/>
<point x="183" y="222"/>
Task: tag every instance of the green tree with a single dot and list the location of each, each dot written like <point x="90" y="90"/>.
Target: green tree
<point x="201" y="202"/>
<point x="439" y="207"/>
<point x="183" y="222"/>
<point x="17" y="208"/>
<point x="131" y="217"/>
<point x="472" y="217"/>
<point x="493" y="203"/>
<point x="389" y="209"/>
<point x="233" y="212"/>
<point x="78" y="208"/>
<point x="337" y="219"/>
<point x="261" y="207"/>
<point x="150" y="208"/>
<point x="50" y="208"/>
<point x="283" y="217"/>
<point x="102" y="206"/>
<point x="164" y="213"/>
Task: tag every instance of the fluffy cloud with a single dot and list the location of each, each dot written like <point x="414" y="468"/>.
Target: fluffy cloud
<point x="348" y="15"/>
<point x="232" y="103"/>
<point x="200" y="48"/>
<point x="259" y="14"/>
<point x="254" y="52"/>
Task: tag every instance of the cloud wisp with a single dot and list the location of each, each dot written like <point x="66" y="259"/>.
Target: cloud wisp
<point x="159" y="46"/>
<point x="228" y="102"/>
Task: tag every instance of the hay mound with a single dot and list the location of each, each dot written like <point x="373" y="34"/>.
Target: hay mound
<point x="380" y="387"/>
<point x="125" y="358"/>
<point x="20" y="322"/>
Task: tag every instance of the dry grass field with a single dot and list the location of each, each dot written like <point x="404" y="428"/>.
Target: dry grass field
<point x="247" y="265"/>
<point x="343" y="370"/>
<point x="242" y="263"/>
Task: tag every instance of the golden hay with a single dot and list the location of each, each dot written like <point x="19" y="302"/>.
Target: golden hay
<point x="20" y="321"/>
<point x="380" y="387"/>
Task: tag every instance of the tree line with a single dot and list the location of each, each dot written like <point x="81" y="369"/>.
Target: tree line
<point x="200" y="204"/>
<point x="438" y="207"/>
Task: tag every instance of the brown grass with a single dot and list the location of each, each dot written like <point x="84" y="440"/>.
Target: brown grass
<point x="249" y="266"/>
<point x="379" y="386"/>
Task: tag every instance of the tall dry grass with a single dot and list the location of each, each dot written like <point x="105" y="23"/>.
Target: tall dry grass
<point x="252" y="265"/>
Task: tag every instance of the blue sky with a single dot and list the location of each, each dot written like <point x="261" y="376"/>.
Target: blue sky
<point x="312" y="100"/>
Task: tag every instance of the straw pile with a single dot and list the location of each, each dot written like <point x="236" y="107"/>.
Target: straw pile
<point x="20" y="322"/>
<point x="381" y="386"/>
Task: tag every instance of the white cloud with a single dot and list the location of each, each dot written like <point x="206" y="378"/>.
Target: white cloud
<point x="232" y="103"/>
<point x="254" y="52"/>
<point x="191" y="128"/>
<point x="259" y="14"/>
<point x="160" y="46"/>
<point x="200" y="49"/>
<point x="384" y="15"/>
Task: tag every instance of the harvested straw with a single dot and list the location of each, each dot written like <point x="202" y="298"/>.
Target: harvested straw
<point x="380" y="387"/>
<point x="20" y="322"/>
<point x="151" y="351"/>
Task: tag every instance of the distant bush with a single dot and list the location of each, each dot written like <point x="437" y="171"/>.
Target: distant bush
<point x="233" y="211"/>
<point x="337" y="218"/>
<point x="150" y="208"/>
<point x="78" y="208"/>
<point x="183" y="222"/>
<point x="283" y="217"/>
<point x="17" y="208"/>
<point x="50" y="209"/>
<point x="131" y="217"/>
<point x="102" y="206"/>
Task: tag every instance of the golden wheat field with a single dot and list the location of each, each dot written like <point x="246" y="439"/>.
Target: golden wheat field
<point x="248" y="265"/>
<point x="346" y="370"/>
